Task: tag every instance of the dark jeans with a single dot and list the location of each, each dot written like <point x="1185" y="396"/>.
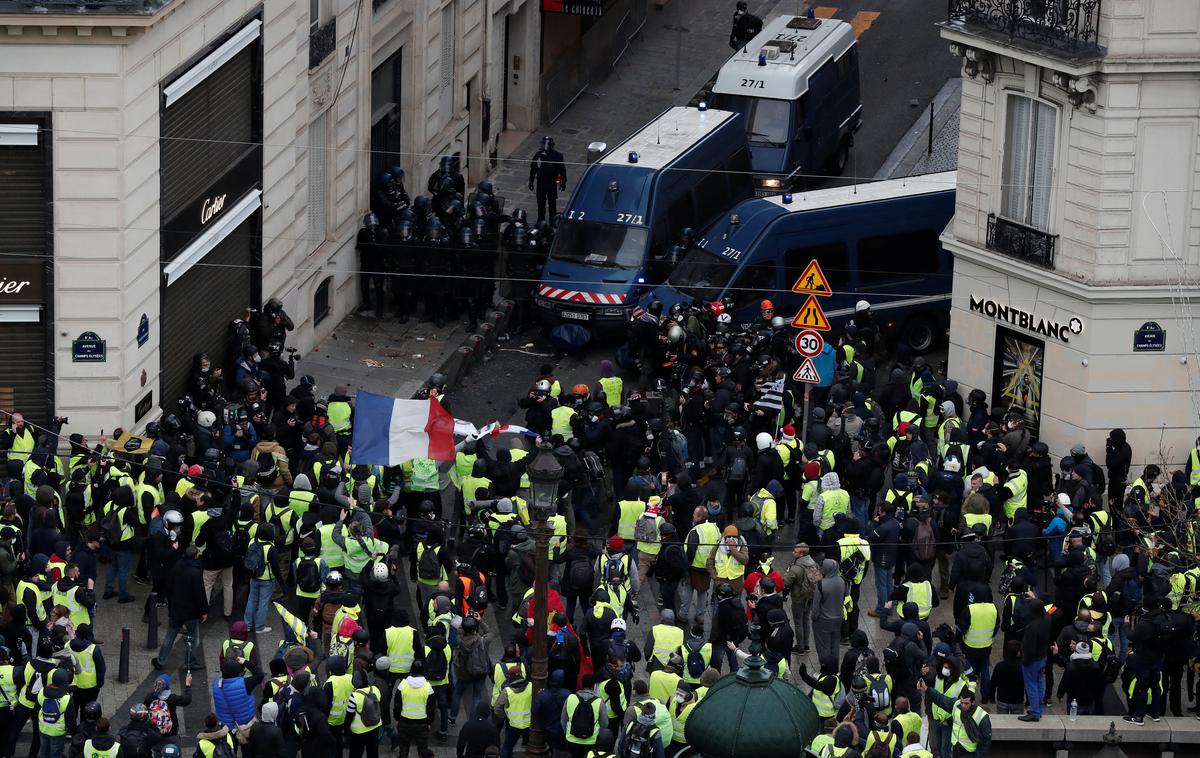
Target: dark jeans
<point x="511" y="737"/>
<point x="368" y="742"/>
<point x="1147" y="690"/>
<point x="1172" y="686"/>
<point x="980" y="660"/>
<point x="119" y="571"/>
<point x="191" y="632"/>
<point x="442" y="692"/>
<point x="414" y="733"/>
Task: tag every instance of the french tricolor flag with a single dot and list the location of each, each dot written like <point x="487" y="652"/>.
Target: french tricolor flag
<point x="389" y="431"/>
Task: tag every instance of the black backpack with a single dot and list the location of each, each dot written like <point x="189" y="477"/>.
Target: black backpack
<point x="583" y="720"/>
<point x="369" y="713"/>
<point x="637" y="741"/>
<point x="429" y="567"/>
<point x="308" y="575"/>
<point x="436" y="665"/>
<point x="580" y="576"/>
<point x="695" y="659"/>
<point x="221" y="749"/>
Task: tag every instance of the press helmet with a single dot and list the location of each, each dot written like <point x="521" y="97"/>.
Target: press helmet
<point x="380" y="572"/>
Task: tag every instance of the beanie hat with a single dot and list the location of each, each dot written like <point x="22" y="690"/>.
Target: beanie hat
<point x="195" y="470"/>
<point x="812" y="470"/>
<point x="1082" y="470"/>
<point x="788" y="432"/>
<point x="616" y="542"/>
<point x="730" y="531"/>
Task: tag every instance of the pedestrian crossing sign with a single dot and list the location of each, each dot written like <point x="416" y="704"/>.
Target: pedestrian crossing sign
<point x="810" y="316"/>
<point x="807" y="373"/>
<point x="812" y="281"/>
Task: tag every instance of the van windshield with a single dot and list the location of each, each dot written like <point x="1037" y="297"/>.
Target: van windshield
<point x="593" y="243"/>
<point x="702" y="274"/>
<point x="768" y="122"/>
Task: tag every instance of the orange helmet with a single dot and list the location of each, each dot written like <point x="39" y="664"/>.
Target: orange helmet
<point x="766" y="305"/>
<point x="580" y="390"/>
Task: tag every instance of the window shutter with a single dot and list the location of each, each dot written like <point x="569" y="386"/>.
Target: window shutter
<point x="318" y="179"/>
<point x="1016" y="159"/>
<point x="1042" y="175"/>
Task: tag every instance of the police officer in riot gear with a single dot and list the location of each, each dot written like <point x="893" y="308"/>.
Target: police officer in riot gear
<point x="401" y="261"/>
<point x="421" y="214"/>
<point x="382" y="204"/>
<point x="549" y="174"/>
<point x="434" y="260"/>
<point x="371" y="240"/>
<point x="448" y="168"/>
<point x="397" y="194"/>
<point x="517" y="257"/>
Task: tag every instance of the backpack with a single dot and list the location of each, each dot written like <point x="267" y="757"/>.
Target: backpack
<point x="478" y="663"/>
<point x="882" y="746"/>
<point x="1110" y="665"/>
<point x="738" y="468"/>
<point x="478" y="597"/>
<point x="8" y="558"/>
<point x="429" y="567"/>
<point x="583" y="720"/>
<point x="840" y="444"/>
<point x="221" y="749"/>
<point x="504" y="537"/>
<point x="160" y="715"/>
<point x="51" y="710"/>
<point x="695" y="661"/>
<point x="255" y="560"/>
<point x="637" y="741"/>
<point x="580" y="576"/>
<point x="241" y="541"/>
<point x="1106" y="542"/>
<point x="110" y="526"/>
<point x="289" y="702"/>
<point x="223" y="544"/>
<point x="646" y="529"/>
<point x="614" y="571"/>
<point x="369" y="712"/>
<point x="308" y="575"/>
<point x="592" y="465"/>
<point x="235" y="650"/>
<point x="436" y="665"/>
<point x="923" y="541"/>
<point x="849" y="567"/>
<point x="880" y="697"/>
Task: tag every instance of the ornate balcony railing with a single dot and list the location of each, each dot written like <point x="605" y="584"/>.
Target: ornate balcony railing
<point x="321" y="43"/>
<point x="83" y="7"/>
<point x="1019" y="241"/>
<point x="1066" y="25"/>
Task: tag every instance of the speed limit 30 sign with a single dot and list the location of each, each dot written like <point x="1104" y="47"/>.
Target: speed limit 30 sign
<point x="809" y="343"/>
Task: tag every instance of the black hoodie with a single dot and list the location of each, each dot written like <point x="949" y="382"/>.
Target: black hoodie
<point x="478" y="734"/>
<point x="1117" y="457"/>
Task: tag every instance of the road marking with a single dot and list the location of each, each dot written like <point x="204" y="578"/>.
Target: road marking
<point x="862" y="21"/>
<point x="825" y="12"/>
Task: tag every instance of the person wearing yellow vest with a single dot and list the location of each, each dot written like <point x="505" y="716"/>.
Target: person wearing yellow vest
<point x="17" y="440"/>
<point x="701" y="542"/>
<point x="948" y="682"/>
<point x="826" y="693"/>
<point x="612" y="384"/>
<point x="71" y="593"/>
<point x="662" y="641"/>
<point x="978" y="623"/>
<point x="629" y="509"/>
<point x="560" y="422"/>
<point x="766" y="509"/>
<point x="514" y="708"/>
<point x="1015" y="490"/>
<point x="413" y="707"/>
<point x="339" y="686"/>
<point x="853" y="556"/>
<point x="92" y="669"/>
<point x="832" y="501"/>
<point x="727" y="563"/>
<point x="473" y="484"/>
<point x="54" y="715"/>
<point x="648" y="538"/>
<point x="101" y="744"/>
<point x="340" y="412"/>
<point x="643" y="730"/>
<point x="213" y="733"/>
<point x="917" y="589"/>
<point x="365" y="714"/>
<point x="969" y="726"/>
<point x="121" y="543"/>
<point x="583" y="716"/>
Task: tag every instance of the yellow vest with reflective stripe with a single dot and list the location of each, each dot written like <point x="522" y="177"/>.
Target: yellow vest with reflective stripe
<point x="594" y="705"/>
<point x="414" y="701"/>
<point x="331" y="553"/>
<point x="8" y="686"/>
<point x="958" y="733"/>
<point x="653" y="547"/>
<point x="971" y="519"/>
<point x="1194" y="477"/>
<point x="663" y="685"/>
<point x="22" y="445"/>
<point x="827" y="705"/>
<point x="421" y="475"/>
<point x="516" y="455"/>
<point x="921" y="593"/>
<point x="342" y="687"/>
<point x="39" y="606"/>
<point x="707" y="536"/>
<point x="520" y="707"/>
<point x="727" y="567"/>
<point x="338" y="412"/>
<point x="57" y="727"/>
<point x="91" y="751"/>
<point x="357" y="726"/>
<point x="631" y="511"/>
<point x="207" y="747"/>
<point x="613" y="386"/>
<point x="834" y="502"/>
<point x="400" y="648"/>
<point x="1019" y="485"/>
<point x="950" y="691"/>
<point x="300" y="501"/>
<point x="86" y="678"/>
<point x="982" y="630"/>
<point x="666" y="639"/>
<point x="560" y="421"/>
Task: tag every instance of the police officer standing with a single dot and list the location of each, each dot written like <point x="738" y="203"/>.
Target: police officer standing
<point x="548" y="172"/>
<point x="400" y="262"/>
<point x="371" y="239"/>
<point x="435" y="265"/>
<point x="519" y="269"/>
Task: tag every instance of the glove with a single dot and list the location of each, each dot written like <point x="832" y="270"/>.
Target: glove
<point x="562" y="186"/>
<point x="531" y="186"/>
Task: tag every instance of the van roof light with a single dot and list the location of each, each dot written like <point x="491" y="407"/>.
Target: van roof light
<point x="613" y="186"/>
<point x="735" y="219"/>
<point x="787" y="198"/>
<point x="633" y="156"/>
<point x="702" y="105"/>
<point x="762" y="58"/>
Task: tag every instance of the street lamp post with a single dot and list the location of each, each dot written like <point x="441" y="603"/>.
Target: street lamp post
<point x="545" y="473"/>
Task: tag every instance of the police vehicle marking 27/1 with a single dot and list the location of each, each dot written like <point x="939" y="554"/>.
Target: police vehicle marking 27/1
<point x="578" y="215"/>
<point x="629" y="218"/>
<point x="754" y="83"/>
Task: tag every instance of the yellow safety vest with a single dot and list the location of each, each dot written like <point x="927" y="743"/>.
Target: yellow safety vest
<point x="971" y="519"/>
<point x="910" y="722"/>
<point x="1018" y="484"/>
<point x="22" y="444"/>
<point x="958" y="733"/>
<point x="850" y="544"/>
<point x="8" y="686"/>
<point x="342" y="687"/>
<point x="560" y="421"/>
<point x="91" y="751"/>
<point x="520" y="707"/>
<point x="707" y="536"/>
<point x="57" y="726"/>
<point x="357" y="726"/>
<point x="338" y="412"/>
<point x="437" y="551"/>
<point x="400" y="649"/>
<point x="666" y="639"/>
<point x="1194" y="476"/>
<point x="652" y="547"/>
<point x="574" y="702"/>
<point x="827" y="705"/>
<point x="86" y="678"/>
<point x="70" y="599"/>
<point x="208" y="747"/>
<point x="727" y="567"/>
<point x="300" y="501"/>
<point x="951" y="692"/>
<point x="921" y="593"/>
<point x="39" y="606"/>
<point x="631" y="511"/>
<point x="470" y="488"/>
<point x="449" y="653"/>
<point x="835" y="502"/>
<point x="414" y="701"/>
<point x="613" y="386"/>
<point x="331" y="553"/>
<point x="982" y="630"/>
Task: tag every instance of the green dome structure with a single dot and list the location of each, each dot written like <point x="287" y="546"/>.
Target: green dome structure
<point x="753" y="714"/>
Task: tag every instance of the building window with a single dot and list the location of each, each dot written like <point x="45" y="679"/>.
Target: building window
<point x="321" y="300"/>
<point x="1031" y="129"/>
<point x="318" y="179"/>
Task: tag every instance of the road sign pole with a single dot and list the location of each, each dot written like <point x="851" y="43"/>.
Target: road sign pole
<point x="804" y="424"/>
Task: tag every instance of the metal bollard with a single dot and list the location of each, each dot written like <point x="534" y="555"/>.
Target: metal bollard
<point x="123" y="671"/>
<point x="152" y="622"/>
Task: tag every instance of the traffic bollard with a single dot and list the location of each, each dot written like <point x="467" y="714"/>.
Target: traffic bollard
<point x="152" y="622"/>
<point x="123" y="671"/>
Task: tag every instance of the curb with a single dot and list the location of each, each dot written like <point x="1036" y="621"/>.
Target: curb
<point x="469" y="356"/>
<point x="919" y="128"/>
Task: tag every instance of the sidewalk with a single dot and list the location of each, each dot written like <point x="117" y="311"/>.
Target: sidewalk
<point x="911" y="155"/>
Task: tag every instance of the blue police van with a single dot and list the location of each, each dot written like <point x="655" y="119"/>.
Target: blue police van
<point x="876" y="242"/>
<point x="797" y="84"/>
<point x="614" y="239"/>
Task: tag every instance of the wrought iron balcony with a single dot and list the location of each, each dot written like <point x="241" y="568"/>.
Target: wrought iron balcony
<point x="321" y="43"/>
<point x="83" y="7"/>
<point x="1063" y="25"/>
<point x="1025" y="243"/>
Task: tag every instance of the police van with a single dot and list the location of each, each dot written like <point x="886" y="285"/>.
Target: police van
<point x="683" y="169"/>
<point x="876" y="242"/>
<point x="797" y="84"/>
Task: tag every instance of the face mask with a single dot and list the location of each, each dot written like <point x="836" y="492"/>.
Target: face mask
<point x="945" y="671"/>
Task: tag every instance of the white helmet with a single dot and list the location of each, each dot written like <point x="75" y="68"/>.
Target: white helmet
<point x="333" y="577"/>
<point x="618" y="624"/>
<point x="862" y="305"/>
<point x="676" y="334"/>
<point x="724" y="318"/>
<point x="777" y="322"/>
<point x="380" y="572"/>
<point x="173" y="517"/>
<point x="763" y="441"/>
<point x="542" y="385"/>
<point x="206" y="419"/>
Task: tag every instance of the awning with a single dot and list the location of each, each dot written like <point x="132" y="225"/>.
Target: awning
<point x="574" y="7"/>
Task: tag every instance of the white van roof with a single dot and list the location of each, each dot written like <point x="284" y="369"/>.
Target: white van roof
<point x="667" y="137"/>
<point x="887" y="189"/>
<point x="795" y="47"/>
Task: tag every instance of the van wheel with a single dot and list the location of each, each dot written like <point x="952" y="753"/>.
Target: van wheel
<point x="841" y="158"/>
<point x="919" y="334"/>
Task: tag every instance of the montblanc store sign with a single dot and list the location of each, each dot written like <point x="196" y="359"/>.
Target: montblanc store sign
<point x="1025" y="320"/>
